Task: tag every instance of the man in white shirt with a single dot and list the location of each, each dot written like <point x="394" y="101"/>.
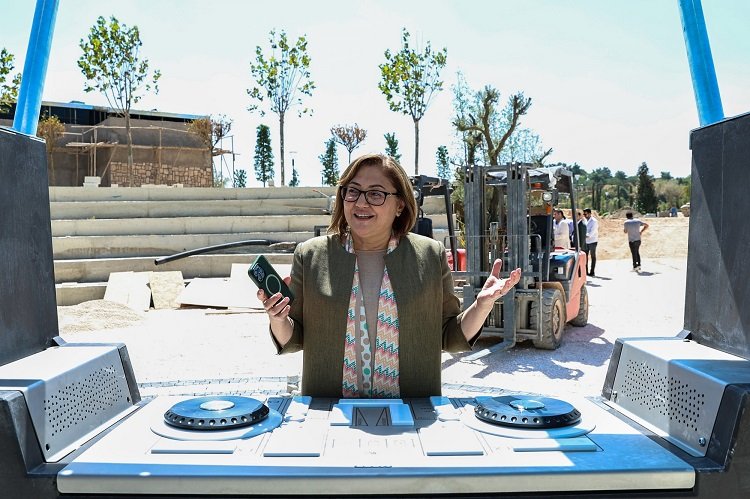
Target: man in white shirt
<point x="592" y="238"/>
<point x="561" y="230"/>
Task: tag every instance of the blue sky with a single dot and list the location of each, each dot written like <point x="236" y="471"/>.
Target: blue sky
<point x="609" y="80"/>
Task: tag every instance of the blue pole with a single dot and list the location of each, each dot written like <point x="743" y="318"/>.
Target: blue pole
<point x="35" y="67"/>
<point x="702" y="71"/>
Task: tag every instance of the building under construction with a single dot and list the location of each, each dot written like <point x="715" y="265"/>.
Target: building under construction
<point x="94" y="144"/>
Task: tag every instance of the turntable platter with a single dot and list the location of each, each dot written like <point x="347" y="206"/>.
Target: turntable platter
<point x="526" y="411"/>
<point x="216" y="413"/>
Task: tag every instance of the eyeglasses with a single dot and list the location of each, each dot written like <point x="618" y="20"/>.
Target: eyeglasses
<point x="373" y="197"/>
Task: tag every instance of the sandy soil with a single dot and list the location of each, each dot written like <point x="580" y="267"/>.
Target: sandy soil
<point x="664" y="238"/>
<point x="198" y="350"/>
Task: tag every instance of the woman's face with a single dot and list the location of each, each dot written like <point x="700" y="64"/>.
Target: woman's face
<point x="371" y="225"/>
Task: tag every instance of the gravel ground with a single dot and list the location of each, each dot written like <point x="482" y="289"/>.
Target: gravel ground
<point x="202" y="351"/>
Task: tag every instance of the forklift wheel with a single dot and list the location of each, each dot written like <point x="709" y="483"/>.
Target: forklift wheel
<point x="582" y="318"/>
<point x="553" y="320"/>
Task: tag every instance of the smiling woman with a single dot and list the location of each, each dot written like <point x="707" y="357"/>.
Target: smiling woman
<point x="374" y="305"/>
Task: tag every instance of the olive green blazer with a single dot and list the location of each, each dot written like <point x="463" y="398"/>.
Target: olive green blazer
<point x="429" y="313"/>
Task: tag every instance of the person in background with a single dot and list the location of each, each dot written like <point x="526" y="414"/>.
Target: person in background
<point x="373" y="305"/>
<point x="581" y="232"/>
<point x="561" y="230"/>
<point x="592" y="240"/>
<point x="633" y="227"/>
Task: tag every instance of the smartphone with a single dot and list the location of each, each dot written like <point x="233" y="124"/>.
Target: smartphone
<point x="267" y="279"/>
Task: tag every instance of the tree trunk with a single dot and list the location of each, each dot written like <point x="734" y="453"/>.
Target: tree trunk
<point x="281" y="145"/>
<point x="416" y="147"/>
<point x="130" y="148"/>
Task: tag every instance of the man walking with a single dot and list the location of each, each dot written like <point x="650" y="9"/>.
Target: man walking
<point x="560" y="230"/>
<point x="634" y="228"/>
<point x="592" y="239"/>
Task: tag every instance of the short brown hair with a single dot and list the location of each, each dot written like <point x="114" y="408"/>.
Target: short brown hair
<point x="404" y="222"/>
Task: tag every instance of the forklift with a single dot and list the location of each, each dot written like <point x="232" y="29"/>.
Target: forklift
<point x="508" y="215"/>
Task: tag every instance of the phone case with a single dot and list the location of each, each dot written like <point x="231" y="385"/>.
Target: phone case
<point x="266" y="278"/>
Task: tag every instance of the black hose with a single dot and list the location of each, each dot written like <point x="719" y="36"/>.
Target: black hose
<point x="207" y="249"/>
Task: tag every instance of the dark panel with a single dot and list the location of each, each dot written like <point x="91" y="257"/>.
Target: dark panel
<point x="28" y="311"/>
<point x="718" y="285"/>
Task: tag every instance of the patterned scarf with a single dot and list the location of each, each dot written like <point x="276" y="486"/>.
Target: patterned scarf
<point x="383" y="377"/>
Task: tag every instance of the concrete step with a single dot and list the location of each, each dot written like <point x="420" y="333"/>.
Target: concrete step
<point x="188" y="225"/>
<point x="153" y="245"/>
<point x="120" y="246"/>
<point x="81" y="194"/>
<point x="97" y="270"/>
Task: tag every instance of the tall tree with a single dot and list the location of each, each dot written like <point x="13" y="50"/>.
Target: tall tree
<point x="51" y="130"/>
<point x="621" y="182"/>
<point x="391" y="148"/>
<point x="211" y="131"/>
<point x="349" y="136"/>
<point x="240" y="178"/>
<point x="282" y="77"/>
<point x="330" y="161"/>
<point x="294" y="182"/>
<point x="442" y="164"/>
<point x="112" y="64"/>
<point x="409" y="79"/>
<point x="646" y="201"/>
<point x="494" y="126"/>
<point x="8" y="88"/>
<point x="263" y="161"/>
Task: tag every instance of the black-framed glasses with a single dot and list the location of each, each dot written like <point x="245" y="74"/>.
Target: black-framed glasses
<point x="373" y="197"/>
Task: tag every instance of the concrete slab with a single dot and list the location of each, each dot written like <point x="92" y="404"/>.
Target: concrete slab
<point x="129" y="288"/>
<point x="166" y="288"/>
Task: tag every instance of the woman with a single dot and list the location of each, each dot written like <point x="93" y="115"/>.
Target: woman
<point x="374" y="305"/>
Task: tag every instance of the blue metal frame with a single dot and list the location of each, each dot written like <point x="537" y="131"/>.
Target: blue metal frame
<point x="705" y="85"/>
<point x="35" y="67"/>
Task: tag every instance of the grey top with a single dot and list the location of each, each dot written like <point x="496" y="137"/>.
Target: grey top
<point x="633" y="229"/>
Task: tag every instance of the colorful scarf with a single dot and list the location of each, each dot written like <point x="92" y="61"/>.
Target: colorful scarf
<point x="383" y="377"/>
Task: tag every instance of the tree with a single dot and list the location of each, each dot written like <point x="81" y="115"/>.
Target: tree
<point x="349" y="136"/>
<point x="240" y="178"/>
<point x="482" y="119"/>
<point x="329" y="160"/>
<point x="621" y="181"/>
<point x="8" y="89"/>
<point x="666" y="176"/>
<point x="263" y="155"/>
<point x="598" y="178"/>
<point x="442" y="163"/>
<point x="409" y="80"/>
<point x="645" y="201"/>
<point x="283" y="78"/>
<point x="51" y="130"/>
<point x="391" y="148"/>
<point x="112" y="64"/>
<point x="211" y="131"/>
<point x="294" y="182"/>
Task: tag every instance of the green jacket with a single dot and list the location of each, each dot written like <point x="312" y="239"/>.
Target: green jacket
<point x="429" y="313"/>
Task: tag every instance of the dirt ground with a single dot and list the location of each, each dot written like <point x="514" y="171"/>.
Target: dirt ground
<point x="203" y="351"/>
<point x="664" y="238"/>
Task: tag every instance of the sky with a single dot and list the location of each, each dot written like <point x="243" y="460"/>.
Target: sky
<point x="609" y="81"/>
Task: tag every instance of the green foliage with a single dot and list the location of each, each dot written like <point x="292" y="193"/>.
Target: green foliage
<point x="51" y="129"/>
<point x="263" y="162"/>
<point x="645" y="201"/>
<point x="409" y="79"/>
<point x="282" y="77"/>
<point x="8" y="89"/>
<point x="349" y="136"/>
<point x="294" y="182"/>
<point x="329" y="160"/>
<point x="392" y="146"/>
<point x="112" y="64"/>
<point x="240" y="178"/>
<point x="442" y="164"/>
<point x="482" y="124"/>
